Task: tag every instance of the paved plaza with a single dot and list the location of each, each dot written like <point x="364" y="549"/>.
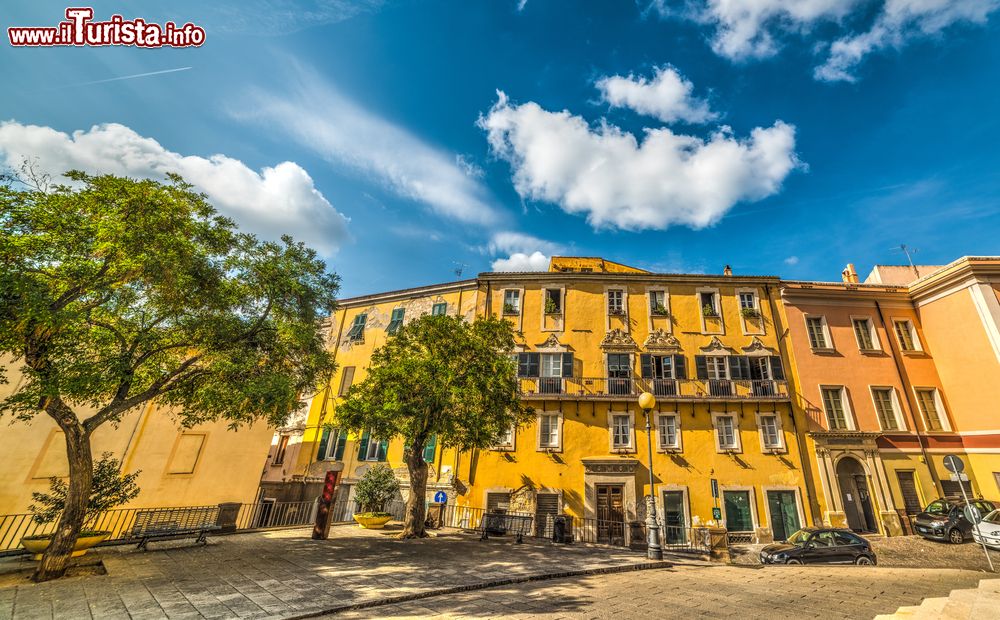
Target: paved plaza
<point x="366" y="574"/>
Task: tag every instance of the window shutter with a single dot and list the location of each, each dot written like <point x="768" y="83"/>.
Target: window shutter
<point x="567" y="365"/>
<point x="680" y="367"/>
<point x="383" y="448"/>
<point x="701" y="366"/>
<point x="739" y="367"/>
<point x="534" y="363"/>
<point x="430" y="449"/>
<point x="363" y="446"/>
<point x="346" y="379"/>
<point x="341" y="444"/>
<point x="646" y="366"/>
<point x="522" y="364"/>
<point x="777" y="370"/>
<point x="324" y="441"/>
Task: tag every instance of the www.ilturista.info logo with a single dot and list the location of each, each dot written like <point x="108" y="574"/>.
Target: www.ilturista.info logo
<point x="79" y="29"/>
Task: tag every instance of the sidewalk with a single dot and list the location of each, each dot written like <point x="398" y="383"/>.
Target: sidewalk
<point x="285" y="574"/>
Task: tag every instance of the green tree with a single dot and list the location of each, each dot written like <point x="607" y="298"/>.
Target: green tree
<point x="116" y="292"/>
<point x="443" y="377"/>
<point x="109" y="488"/>
<point x="376" y="489"/>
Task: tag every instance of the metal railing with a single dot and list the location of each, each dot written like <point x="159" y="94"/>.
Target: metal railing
<point x="670" y="389"/>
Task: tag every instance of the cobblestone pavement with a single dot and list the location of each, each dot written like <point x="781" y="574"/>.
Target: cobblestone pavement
<point x="281" y="574"/>
<point x="698" y="591"/>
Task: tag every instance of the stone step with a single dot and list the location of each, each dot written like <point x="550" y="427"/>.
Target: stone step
<point x="959" y="605"/>
<point x="991" y="585"/>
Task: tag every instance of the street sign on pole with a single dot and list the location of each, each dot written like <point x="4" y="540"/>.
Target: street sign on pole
<point x="953" y="464"/>
<point x="715" y="488"/>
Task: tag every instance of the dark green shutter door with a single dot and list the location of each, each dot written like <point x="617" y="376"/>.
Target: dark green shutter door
<point x="701" y="366"/>
<point x="680" y="367"/>
<point x="646" y="366"/>
<point x="341" y="444"/>
<point x="739" y="367"/>
<point x="363" y="445"/>
<point x="534" y="363"/>
<point x="324" y="440"/>
<point x="383" y="448"/>
<point x="567" y="365"/>
<point x="777" y="370"/>
<point x="430" y="449"/>
<point x="522" y="364"/>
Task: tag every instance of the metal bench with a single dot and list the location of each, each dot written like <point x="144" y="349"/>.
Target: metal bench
<point x="499" y="524"/>
<point x="162" y="523"/>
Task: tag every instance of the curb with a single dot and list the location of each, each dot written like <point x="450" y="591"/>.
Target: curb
<point x="405" y="598"/>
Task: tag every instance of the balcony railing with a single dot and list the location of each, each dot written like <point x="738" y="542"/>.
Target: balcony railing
<point x="572" y="388"/>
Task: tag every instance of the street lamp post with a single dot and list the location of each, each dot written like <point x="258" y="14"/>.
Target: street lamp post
<point x="653" y="549"/>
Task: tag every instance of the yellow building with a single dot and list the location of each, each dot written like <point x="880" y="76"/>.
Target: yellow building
<point x="592" y="336"/>
<point x="203" y="465"/>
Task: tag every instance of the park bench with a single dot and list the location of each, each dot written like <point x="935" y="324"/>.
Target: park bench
<point x="498" y="523"/>
<point x="163" y="523"/>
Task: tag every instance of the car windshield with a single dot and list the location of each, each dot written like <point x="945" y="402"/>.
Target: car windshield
<point x="993" y="517"/>
<point x="938" y="508"/>
<point x="800" y="537"/>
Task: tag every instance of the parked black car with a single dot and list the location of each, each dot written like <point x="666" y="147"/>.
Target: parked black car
<point x="816" y="545"/>
<point x="945" y="519"/>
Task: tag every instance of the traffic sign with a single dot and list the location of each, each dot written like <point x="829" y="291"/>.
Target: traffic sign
<point x="441" y="497"/>
<point x="715" y="488"/>
<point x="959" y="477"/>
<point x="717" y="514"/>
<point x="953" y="464"/>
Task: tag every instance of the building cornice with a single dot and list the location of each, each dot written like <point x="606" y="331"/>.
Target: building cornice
<point x="406" y="293"/>
<point x="659" y="278"/>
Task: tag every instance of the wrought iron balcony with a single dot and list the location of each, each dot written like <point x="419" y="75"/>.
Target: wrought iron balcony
<point x="603" y="388"/>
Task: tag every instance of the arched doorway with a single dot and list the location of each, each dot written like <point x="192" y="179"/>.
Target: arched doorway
<point x="854" y="493"/>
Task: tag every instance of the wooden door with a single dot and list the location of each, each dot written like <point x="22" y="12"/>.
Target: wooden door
<point x="611" y="514"/>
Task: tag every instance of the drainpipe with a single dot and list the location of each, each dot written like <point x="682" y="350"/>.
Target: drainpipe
<point x="807" y="474"/>
<point x="901" y="373"/>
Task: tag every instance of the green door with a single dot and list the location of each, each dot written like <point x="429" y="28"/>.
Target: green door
<point x="738" y="516"/>
<point x="673" y="517"/>
<point x="784" y="512"/>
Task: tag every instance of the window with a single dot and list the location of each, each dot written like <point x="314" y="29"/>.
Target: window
<point x="668" y="432"/>
<point x="396" y="321"/>
<point x="553" y="301"/>
<point x="716" y="366"/>
<point x="621" y="431"/>
<point x="907" y="336"/>
<point x="709" y="307"/>
<point x="279" y="453"/>
<point x="439" y="309"/>
<point x="370" y="449"/>
<point x="885" y="408"/>
<point x="616" y="302"/>
<point x="497" y="502"/>
<point x="658" y="303"/>
<point x="725" y="429"/>
<point x="548" y="430"/>
<point x="836" y="413"/>
<point x="346" y="380"/>
<point x="357" y="331"/>
<point x="769" y="432"/>
<point x="512" y="301"/>
<point x="739" y="516"/>
<point x="619" y="373"/>
<point x="927" y="399"/>
<point x="663" y="371"/>
<point x="331" y="445"/>
<point x="506" y="440"/>
<point x="554" y="366"/>
<point x="864" y="332"/>
<point x="528" y="364"/>
<point x="816" y="328"/>
<point x="748" y="301"/>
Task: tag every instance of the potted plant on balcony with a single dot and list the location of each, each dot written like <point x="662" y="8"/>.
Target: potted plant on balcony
<point x="375" y="489"/>
<point x="509" y="309"/>
<point x="617" y="311"/>
<point x="750" y="313"/>
<point x="659" y="310"/>
<point x="709" y="311"/>
<point x="110" y="488"/>
<point x="550" y="306"/>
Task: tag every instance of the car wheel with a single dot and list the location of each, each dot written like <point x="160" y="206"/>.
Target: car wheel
<point x="956" y="537"/>
<point x="793" y="561"/>
<point x="863" y="560"/>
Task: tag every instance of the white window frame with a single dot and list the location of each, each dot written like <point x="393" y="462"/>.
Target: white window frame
<point x="520" y="301"/>
<point x="331" y="445"/>
<point x="897" y="410"/>
<point x="650" y="291"/>
<point x="685" y="500"/>
<point x="507" y="446"/>
<point x="845" y="403"/>
<point x="624" y="301"/>
<point x="678" y="445"/>
<point x="724" y="359"/>
<point x="872" y="333"/>
<point x="369" y="456"/>
<point x="548" y="357"/>
<point x="827" y="336"/>
<point x="630" y="446"/>
<point x="717" y="301"/>
<point x="559" y="431"/>
<point x="938" y="402"/>
<point x="744" y="325"/>
<point x="914" y="336"/>
<point x="778" y="429"/>
<point x="738" y="443"/>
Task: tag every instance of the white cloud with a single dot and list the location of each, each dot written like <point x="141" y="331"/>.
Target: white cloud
<point x="520" y="261"/>
<point x="314" y="114"/>
<point x="792" y="260"/>
<point x="618" y="181"/>
<point x="748" y="29"/>
<point x="277" y="200"/>
<point x="667" y="96"/>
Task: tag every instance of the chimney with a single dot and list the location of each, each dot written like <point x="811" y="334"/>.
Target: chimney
<point x="727" y="271"/>
<point x="849" y="274"/>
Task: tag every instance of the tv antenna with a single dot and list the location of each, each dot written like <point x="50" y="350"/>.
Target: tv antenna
<point x="909" y="252"/>
<point x="459" y="268"/>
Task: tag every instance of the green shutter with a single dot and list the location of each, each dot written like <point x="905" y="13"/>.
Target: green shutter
<point x="701" y="366"/>
<point x="646" y="366"/>
<point x="383" y="448"/>
<point x="363" y="446"/>
<point x="324" y="440"/>
<point x="430" y="449"/>
<point x="680" y="367"/>
<point x="338" y="453"/>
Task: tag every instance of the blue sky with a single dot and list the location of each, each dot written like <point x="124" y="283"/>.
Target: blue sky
<point x="783" y="138"/>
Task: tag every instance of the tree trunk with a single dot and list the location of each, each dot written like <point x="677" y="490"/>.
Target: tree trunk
<point x="81" y="473"/>
<point x="416" y="509"/>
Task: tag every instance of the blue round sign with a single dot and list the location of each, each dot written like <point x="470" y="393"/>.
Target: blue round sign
<point x="441" y="497"/>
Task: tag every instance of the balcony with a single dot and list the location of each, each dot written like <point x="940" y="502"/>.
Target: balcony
<point x="602" y="388"/>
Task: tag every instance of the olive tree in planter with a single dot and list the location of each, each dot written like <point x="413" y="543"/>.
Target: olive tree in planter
<point x="109" y="489"/>
<point x="116" y="293"/>
<point x="375" y="489"/>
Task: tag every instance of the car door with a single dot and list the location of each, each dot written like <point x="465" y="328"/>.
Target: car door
<point x="822" y="549"/>
<point x="848" y="547"/>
